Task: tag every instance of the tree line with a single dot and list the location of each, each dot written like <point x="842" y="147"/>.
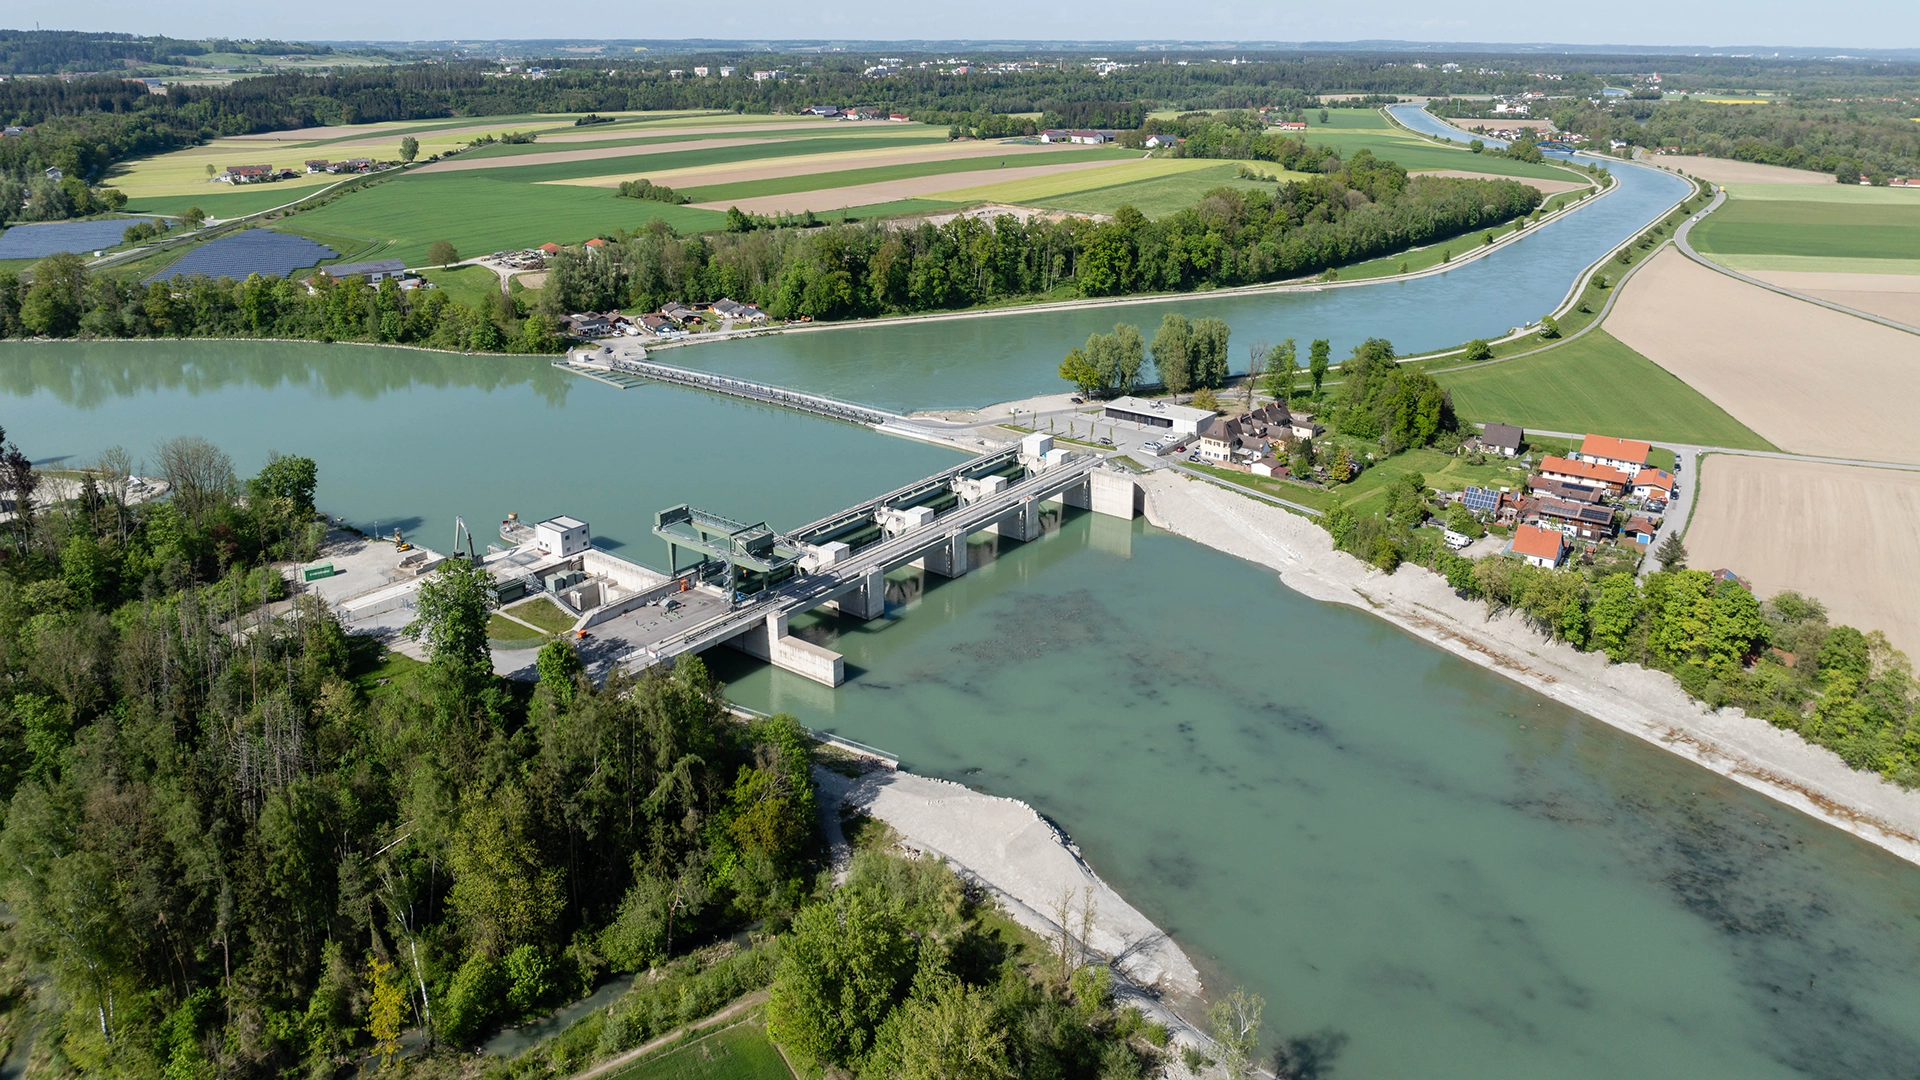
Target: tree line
<point x="1364" y="208"/>
<point x="64" y="298"/>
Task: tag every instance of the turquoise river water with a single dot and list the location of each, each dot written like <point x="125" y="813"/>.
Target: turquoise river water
<point x="1426" y="869"/>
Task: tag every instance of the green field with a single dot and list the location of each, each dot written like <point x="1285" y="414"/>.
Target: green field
<point x="740" y="1052"/>
<point x="471" y="285"/>
<point x="1816" y="264"/>
<point x="223" y="204"/>
<point x="484" y="211"/>
<point x="1368" y="494"/>
<point x="1880" y="225"/>
<point x="1594" y="384"/>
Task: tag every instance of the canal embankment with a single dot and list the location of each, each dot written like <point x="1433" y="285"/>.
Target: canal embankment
<point x="1642" y="702"/>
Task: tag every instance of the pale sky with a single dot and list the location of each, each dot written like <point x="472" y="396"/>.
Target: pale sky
<point x="1857" y="23"/>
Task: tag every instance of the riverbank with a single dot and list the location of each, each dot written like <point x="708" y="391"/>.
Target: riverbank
<point x="1641" y="702"/>
<point x="1029" y="866"/>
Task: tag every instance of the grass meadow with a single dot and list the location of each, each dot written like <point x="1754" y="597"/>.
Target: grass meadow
<point x="1594" y="383"/>
<point x="740" y="1052"/>
<point x="1813" y="221"/>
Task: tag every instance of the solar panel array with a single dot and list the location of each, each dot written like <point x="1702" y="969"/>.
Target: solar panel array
<point x="1483" y="499"/>
<point x="40" y="241"/>
<point x="256" y="251"/>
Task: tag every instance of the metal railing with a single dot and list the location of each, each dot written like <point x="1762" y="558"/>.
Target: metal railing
<point x="753" y="391"/>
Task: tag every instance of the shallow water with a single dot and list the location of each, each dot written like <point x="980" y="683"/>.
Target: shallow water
<point x="1440" y="871"/>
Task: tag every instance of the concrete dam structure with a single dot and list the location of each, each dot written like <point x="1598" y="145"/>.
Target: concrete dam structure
<point x="841" y="561"/>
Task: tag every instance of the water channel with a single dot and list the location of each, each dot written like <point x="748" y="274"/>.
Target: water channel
<point x="1426" y="869"/>
<point x="969" y="362"/>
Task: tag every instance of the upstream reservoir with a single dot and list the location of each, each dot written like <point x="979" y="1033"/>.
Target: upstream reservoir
<point x="1426" y="869"/>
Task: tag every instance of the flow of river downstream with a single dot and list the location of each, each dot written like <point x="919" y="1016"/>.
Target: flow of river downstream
<point x="1427" y="870"/>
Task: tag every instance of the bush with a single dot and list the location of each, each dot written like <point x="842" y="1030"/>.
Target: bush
<point x="647" y="189"/>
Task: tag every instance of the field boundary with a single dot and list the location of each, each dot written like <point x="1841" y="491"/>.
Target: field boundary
<point x="700" y="1028"/>
<point x="1686" y="248"/>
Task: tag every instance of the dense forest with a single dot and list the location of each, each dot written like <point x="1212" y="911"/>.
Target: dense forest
<point x="46" y="52"/>
<point x="233" y="843"/>
<point x="1358" y="209"/>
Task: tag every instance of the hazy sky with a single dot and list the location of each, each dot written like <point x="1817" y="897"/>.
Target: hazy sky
<point x="1857" y="23"/>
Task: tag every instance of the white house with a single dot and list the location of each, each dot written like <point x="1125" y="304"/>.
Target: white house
<point x="1627" y="455"/>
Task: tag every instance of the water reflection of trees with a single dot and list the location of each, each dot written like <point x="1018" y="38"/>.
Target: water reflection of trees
<point x="87" y="374"/>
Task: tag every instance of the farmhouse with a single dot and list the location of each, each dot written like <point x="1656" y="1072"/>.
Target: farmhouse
<point x="1155" y="142"/>
<point x="1584" y="473"/>
<point x="317" y="165"/>
<point x="1291" y="125"/>
<point x="1541" y="547"/>
<point x="1560" y="489"/>
<point x="245" y="174"/>
<point x="1627" y="455"/>
<point x="1502" y="439"/>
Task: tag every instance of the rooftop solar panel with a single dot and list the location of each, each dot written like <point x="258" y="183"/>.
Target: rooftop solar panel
<point x="256" y="251"/>
<point x="40" y="241"/>
<point x="1477" y="498"/>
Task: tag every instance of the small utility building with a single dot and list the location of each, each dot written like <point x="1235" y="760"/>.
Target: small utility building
<point x="562" y="536"/>
<point x="1176" y="418"/>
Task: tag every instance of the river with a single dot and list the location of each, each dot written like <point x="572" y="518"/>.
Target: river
<point x="969" y="362"/>
<point x="1426" y="869"/>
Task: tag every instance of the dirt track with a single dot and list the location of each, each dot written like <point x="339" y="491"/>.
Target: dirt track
<point x="892" y="190"/>
<point x="1551" y="187"/>
<point x="1843" y="535"/>
<point x="1808" y="379"/>
<point x="1891" y="296"/>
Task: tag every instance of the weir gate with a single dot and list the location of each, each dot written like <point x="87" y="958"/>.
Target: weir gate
<point x="841" y="561"/>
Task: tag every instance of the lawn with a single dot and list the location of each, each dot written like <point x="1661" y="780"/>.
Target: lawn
<point x="484" y="211"/>
<point x="1822" y="226"/>
<point x="1594" y="384"/>
<point x="471" y="285"/>
<point x="542" y="613"/>
<point x="501" y="628"/>
<point x="740" y="1052"/>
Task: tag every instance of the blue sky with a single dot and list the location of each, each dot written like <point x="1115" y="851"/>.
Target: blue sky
<point x="1858" y="23"/>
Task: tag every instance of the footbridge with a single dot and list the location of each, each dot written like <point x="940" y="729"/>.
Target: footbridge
<point x="841" y="561"/>
<point x="622" y="361"/>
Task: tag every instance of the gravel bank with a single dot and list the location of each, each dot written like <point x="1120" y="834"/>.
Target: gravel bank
<point x="1006" y="847"/>
<point x="1645" y="703"/>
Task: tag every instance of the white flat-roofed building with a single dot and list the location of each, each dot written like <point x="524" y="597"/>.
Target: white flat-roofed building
<point x="1157" y="414"/>
<point x="562" y="536"/>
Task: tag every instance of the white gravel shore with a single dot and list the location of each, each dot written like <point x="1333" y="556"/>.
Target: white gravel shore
<point x="1024" y="862"/>
<point x="1637" y="700"/>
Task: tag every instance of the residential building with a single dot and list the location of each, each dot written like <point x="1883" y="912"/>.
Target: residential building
<point x="1220" y="438"/>
<point x="596" y="242"/>
<point x="1090" y="138"/>
<point x="702" y="71"/>
<point x="1583" y="520"/>
<point x="317" y="165"/>
<point x="1541" y="547"/>
<point x="1155" y="142"/>
<point x="1561" y="489"/>
<point x="1304" y="427"/>
<point x="1178" y="419"/>
<point x="822" y="110"/>
<point x="727" y="72"/>
<point x="1503" y="439"/>
<point x="1053" y="135"/>
<point x="898" y="118"/>
<point x="1584" y="473"/>
<point x="680" y="313"/>
<point x="1291" y="125"/>
<point x="591" y="325"/>
<point x="1654" y="484"/>
<point x="245" y="174"/>
<point x="550" y="248"/>
<point x="1627" y="455"/>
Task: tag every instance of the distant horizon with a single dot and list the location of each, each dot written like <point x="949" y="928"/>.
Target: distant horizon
<point x="1393" y="25"/>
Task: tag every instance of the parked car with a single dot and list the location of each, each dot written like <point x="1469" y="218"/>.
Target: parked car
<point x="1077" y="399"/>
<point x="1104" y="441"/>
<point x="1181" y="449"/>
<point x="1195" y="458"/>
<point x="1152" y="446"/>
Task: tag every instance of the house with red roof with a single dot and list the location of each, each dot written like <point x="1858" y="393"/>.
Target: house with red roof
<point x="1584" y="473"/>
<point x="1627" y="455"/>
<point x="1654" y="484"/>
<point x="1541" y="547"/>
